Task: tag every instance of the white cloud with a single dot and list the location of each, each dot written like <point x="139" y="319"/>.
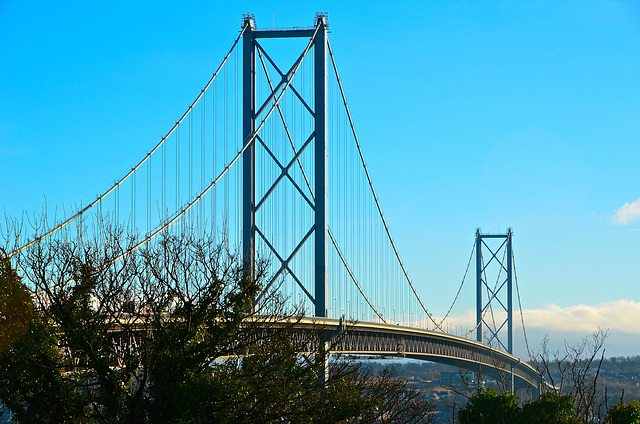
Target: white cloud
<point x="570" y="324"/>
<point x="618" y="316"/>
<point x="627" y="213"/>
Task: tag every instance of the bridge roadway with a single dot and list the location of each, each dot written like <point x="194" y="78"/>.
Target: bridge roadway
<point x="377" y="339"/>
<point x="371" y="338"/>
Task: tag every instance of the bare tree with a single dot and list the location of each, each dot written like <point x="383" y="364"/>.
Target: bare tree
<point x="575" y="371"/>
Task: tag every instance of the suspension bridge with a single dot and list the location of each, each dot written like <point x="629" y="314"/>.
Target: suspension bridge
<point x="267" y="158"/>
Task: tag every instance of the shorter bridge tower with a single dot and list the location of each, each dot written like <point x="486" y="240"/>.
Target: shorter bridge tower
<point x="494" y="276"/>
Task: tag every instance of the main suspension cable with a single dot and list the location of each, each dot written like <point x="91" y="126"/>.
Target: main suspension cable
<point x="333" y="240"/>
<point x="353" y="278"/>
<point x="375" y="197"/>
<point x="288" y="78"/>
<point x="135" y="168"/>
<point x="286" y="82"/>
<point x="524" y="329"/>
<point x="473" y="249"/>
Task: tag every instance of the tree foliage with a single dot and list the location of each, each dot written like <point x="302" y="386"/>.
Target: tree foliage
<point x="624" y="413"/>
<point x="490" y="407"/>
<point x="15" y="305"/>
<point x="550" y="408"/>
<point x="169" y="333"/>
<point x="570" y="392"/>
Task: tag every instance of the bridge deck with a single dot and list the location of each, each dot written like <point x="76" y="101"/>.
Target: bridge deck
<point x="370" y="338"/>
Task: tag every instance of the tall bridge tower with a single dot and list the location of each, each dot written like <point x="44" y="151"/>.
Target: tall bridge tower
<point x="317" y="200"/>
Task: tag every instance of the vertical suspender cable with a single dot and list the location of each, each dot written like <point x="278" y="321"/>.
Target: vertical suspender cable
<point x="372" y="189"/>
<point x="177" y="199"/>
<point x="133" y="169"/>
<point x="524" y="329"/>
<point x="214" y="129"/>
<point x="473" y="249"/>
<point x="190" y="164"/>
<point x="226" y="143"/>
<point x="118" y="204"/>
<point x="163" y="215"/>
<point x="132" y="218"/>
<point x="148" y="195"/>
<point x="202" y="158"/>
<point x="236" y="137"/>
<point x="283" y="88"/>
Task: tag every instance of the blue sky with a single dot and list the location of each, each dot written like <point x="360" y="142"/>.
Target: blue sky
<point x="471" y="114"/>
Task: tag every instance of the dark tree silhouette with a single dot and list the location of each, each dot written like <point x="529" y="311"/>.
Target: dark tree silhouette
<point x="169" y="333"/>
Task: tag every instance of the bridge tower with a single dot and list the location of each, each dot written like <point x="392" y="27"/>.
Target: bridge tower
<point x="251" y="116"/>
<point x="499" y="291"/>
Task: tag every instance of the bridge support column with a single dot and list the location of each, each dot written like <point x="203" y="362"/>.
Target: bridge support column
<point x="248" y="158"/>
<point x="479" y="286"/>
<point x="509" y="293"/>
<point x="512" y="385"/>
<point x="321" y="281"/>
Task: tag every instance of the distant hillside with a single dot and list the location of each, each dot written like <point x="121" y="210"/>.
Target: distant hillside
<point x="622" y="364"/>
<point x="618" y="376"/>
